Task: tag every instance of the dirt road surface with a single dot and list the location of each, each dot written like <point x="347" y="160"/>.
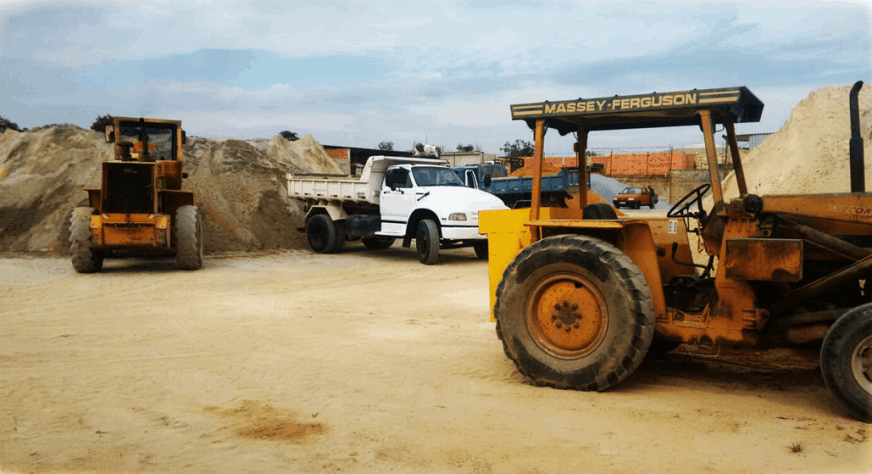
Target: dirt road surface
<point x="360" y="362"/>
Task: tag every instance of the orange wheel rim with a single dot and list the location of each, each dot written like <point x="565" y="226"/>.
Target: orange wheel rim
<point x="567" y="316"/>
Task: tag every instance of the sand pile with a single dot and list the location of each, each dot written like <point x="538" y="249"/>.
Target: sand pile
<point x="239" y="186"/>
<point x="809" y="154"/>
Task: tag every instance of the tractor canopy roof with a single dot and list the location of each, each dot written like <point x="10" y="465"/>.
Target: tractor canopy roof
<point x="667" y="109"/>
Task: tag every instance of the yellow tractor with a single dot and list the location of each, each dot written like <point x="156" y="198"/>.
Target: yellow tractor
<point x="580" y="296"/>
<point x="140" y="205"/>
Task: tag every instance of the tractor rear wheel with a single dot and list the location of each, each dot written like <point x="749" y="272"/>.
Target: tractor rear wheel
<point x="378" y="243"/>
<point x="574" y="312"/>
<point x="85" y="259"/>
<point x="846" y="361"/>
<point x="427" y="242"/>
<point x="189" y="238"/>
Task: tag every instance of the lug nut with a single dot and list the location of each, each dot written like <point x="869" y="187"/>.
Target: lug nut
<point x="568" y="328"/>
<point x="558" y="324"/>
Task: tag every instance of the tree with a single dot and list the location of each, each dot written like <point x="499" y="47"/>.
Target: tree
<point x="462" y="147"/>
<point x="6" y="123"/>
<point x="386" y="146"/>
<point x="520" y="148"/>
<point x="289" y="136"/>
<point x="101" y="122"/>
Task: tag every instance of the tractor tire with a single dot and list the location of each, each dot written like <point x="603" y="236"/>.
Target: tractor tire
<point x="574" y="312"/>
<point x="480" y="249"/>
<point x="84" y="257"/>
<point x="846" y="361"/>
<point x="378" y="243"/>
<point x="599" y="211"/>
<point x="189" y="238"/>
<point x="427" y="242"/>
<point x="323" y="234"/>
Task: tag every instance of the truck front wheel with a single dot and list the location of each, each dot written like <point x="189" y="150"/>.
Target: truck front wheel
<point x="574" y="312"/>
<point x="480" y="249"/>
<point x="323" y="234"/>
<point x="427" y="242"/>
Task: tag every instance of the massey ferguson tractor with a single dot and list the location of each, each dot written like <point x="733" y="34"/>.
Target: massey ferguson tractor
<point x="580" y="296"/>
<point x="140" y="205"/>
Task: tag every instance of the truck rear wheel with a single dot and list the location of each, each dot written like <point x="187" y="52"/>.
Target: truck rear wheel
<point x="574" y="312"/>
<point x="427" y="242"/>
<point x="82" y="254"/>
<point x="189" y="238"/>
<point x="846" y="361"/>
<point x="378" y="243"/>
<point x="323" y="234"/>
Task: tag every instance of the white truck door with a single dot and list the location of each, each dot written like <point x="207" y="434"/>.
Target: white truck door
<point x="397" y="201"/>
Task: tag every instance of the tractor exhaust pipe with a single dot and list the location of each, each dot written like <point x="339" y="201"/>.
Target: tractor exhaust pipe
<point x="855" y="145"/>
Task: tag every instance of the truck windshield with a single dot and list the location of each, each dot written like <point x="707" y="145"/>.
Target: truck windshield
<point x="435" y="176"/>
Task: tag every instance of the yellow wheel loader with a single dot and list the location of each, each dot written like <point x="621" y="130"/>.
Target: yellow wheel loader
<point x="580" y="296"/>
<point x="140" y="205"/>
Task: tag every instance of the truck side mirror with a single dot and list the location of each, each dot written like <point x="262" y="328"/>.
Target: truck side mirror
<point x="487" y="180"/>
<point x="184" y="137"/>
<point x="110" y="133"/>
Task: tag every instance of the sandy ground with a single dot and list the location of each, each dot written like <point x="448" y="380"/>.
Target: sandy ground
<point x="363" y="362"/>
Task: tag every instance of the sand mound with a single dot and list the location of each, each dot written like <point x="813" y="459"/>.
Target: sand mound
<point x="809" y="154"/>
<point x="239" y="186"/>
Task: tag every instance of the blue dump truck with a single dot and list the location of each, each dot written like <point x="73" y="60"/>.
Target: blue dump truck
<point x="516" y="191"/>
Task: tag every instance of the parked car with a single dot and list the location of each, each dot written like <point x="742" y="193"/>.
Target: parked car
<point x="635" y="198"/>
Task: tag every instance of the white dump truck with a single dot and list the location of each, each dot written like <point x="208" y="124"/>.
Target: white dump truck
<point x="394" y="197"/>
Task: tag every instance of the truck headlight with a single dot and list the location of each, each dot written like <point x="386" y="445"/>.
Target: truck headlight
<point x="457" y="216"/>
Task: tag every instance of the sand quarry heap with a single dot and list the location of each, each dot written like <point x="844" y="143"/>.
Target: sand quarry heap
<point x="240" y="184"/>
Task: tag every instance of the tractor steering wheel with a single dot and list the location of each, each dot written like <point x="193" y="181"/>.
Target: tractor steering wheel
<point x="683" y="206"/>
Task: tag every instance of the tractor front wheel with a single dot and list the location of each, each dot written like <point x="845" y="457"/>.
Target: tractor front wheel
<point x="846" y="361"/>
<point x="189" y="238"/>
<point x="574" y="312"/>
<point x="85" y="259"/>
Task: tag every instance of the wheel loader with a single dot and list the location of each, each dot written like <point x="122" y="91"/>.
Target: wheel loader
<point x="580" y="296"/>
<point x="140" y="205"/>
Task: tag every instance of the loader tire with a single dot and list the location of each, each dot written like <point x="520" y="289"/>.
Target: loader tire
<point x="82" y="253"/>
<point x="574" y="312"/>
<point x="427" y="242"/>
<point x="846" y="361"/>
<point x="189" y="238"/>
<point x="322" y="233"/>
<point x="378" y="243"/>
<point x="480" y="249"/>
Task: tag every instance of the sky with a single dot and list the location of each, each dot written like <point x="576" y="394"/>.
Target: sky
<point x="442" y="72"/>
